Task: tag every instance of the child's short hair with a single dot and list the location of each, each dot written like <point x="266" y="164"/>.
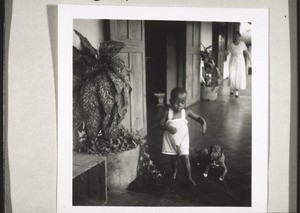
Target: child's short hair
<point x="177" y="91"/>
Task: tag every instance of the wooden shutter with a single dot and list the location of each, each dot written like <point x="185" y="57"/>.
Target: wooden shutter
<point x="192" y="72"/>
<point x="132" y="33"/>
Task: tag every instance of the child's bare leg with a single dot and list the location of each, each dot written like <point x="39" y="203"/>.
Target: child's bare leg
<point x="174" y="160"/>
<point x="187" y="166"/>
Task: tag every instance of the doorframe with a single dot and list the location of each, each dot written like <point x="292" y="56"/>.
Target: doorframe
<point x="218" y="27"/>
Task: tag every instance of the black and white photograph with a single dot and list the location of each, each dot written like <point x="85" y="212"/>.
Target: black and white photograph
<point x="129" y="89"/>
<point x="162" y="113"/>
<point x="119" y="106"/>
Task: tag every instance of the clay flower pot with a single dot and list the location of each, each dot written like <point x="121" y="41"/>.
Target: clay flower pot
<point x="122" y="168"/>
<point x="209" y="93"/>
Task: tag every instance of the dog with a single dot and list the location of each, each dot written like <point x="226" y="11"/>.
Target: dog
<point x="212" y="157"/>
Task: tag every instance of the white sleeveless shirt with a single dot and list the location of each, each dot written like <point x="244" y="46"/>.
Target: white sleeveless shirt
<point x="179" y="142"/>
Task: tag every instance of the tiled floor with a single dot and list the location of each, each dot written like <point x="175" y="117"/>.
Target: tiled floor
<point x="228" y="125"/>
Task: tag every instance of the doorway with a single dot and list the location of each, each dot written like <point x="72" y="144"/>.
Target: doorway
<point x="155" y="50"/>
<point x="220" y="40"/>
<point x="165" y="63"/>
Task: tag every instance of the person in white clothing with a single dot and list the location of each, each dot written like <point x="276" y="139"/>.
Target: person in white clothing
<point x="237" y="65"/>
<point x="176" y="133"/>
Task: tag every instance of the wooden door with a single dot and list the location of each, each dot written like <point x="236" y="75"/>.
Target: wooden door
<point x="220" y="43"/>
<point x="132" y="33"/>
<point x="192" y="67"/>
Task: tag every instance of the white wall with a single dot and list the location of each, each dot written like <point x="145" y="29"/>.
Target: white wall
<point x="206" y="38"/>
<point x="206" y="33"/>
<point x="93" y="30"/>
<point x="32" y="78"/>
<point x="245" y="30"/>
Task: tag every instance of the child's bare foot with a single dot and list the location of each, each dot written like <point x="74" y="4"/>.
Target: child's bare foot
<point x="191" y="181"/>
<point x="174" y="175"/>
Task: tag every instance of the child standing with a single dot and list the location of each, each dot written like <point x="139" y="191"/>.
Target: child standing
<point x="176" y="133"/>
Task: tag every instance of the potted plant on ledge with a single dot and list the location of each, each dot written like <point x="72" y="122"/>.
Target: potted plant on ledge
<point x="211" y="76"/>
<point x="101" y="91"/>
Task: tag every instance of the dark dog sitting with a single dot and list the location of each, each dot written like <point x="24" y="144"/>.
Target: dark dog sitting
<point x="212" y="157"/>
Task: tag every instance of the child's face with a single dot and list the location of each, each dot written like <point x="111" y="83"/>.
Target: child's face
<point x="178" y="103"/>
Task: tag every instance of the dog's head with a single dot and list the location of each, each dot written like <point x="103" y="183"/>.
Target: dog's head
<point x="215" y="152"/>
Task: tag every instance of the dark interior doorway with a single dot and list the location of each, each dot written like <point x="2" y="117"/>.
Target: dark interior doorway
<point x="220" y="39"/>
<point x="165" y="62"/>
<point x="155" y="46"/>
<point x="156" y="67"/>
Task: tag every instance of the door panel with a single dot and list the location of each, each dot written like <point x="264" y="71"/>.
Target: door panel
<point x="136" y="30"/>
<point x="189" y="76"/>
<point x="132" y="34"/>
<point x="122" y="29"/>
<point x="219" y="43"/>
<point x="192" y="72"/>
<point x="196" y="80"/>
<point x="196" y="34"/>
<point x="137" y="95"/>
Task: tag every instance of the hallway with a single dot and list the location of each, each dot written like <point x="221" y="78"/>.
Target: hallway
<point x="228" y="125"/>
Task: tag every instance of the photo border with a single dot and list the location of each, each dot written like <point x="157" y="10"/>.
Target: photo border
<point x="260" y="93"/>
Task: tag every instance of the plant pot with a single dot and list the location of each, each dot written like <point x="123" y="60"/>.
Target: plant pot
<point x="209" y="93"/>
<point x="161" y="98"/>
<point x="122" y="168"/>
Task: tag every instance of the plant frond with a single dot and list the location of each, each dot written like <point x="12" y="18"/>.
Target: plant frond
<point x="102" y="90"/>
<point x="208" y="47"/>
<point x="86" y="44"/>
<point x="90" y="108"/>
<point x="111" y="48"/>
<point x="92" y="70"/>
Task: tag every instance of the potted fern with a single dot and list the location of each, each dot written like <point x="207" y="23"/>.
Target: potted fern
<point x="211" y="76"/>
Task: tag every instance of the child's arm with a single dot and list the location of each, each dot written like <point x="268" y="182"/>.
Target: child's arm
<point x="197" y="118"/>
<point x="164" y="125"/>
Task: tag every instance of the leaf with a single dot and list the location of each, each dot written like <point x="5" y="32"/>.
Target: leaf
<point x="121" y="94"/>
<point x="92" y="70"/>
<point x="86" y="44"/>
<point x="77" y="81"/>
<point x="81" y="56"/>
<point x="208" y="47"/>
<point x="77" y="109"/>
<point x="117" y="82"/>
<point x="101" y="85"/>
<point x="114" y="119"/>
<point x="105" y="90"/>
<point x="110" y="48"/>
<point x="90" y="108"/>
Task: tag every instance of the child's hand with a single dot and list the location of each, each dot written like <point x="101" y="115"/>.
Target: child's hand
<point x="203" y="128"/>
<point x="171" y="129"/>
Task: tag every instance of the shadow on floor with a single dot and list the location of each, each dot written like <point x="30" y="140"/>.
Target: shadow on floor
<point x="228" y="125"/>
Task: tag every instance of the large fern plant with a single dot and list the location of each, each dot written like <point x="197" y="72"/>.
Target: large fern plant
<point x="101" y="87"/>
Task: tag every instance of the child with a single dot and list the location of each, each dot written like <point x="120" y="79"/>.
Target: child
<point x="176" y="133"/>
